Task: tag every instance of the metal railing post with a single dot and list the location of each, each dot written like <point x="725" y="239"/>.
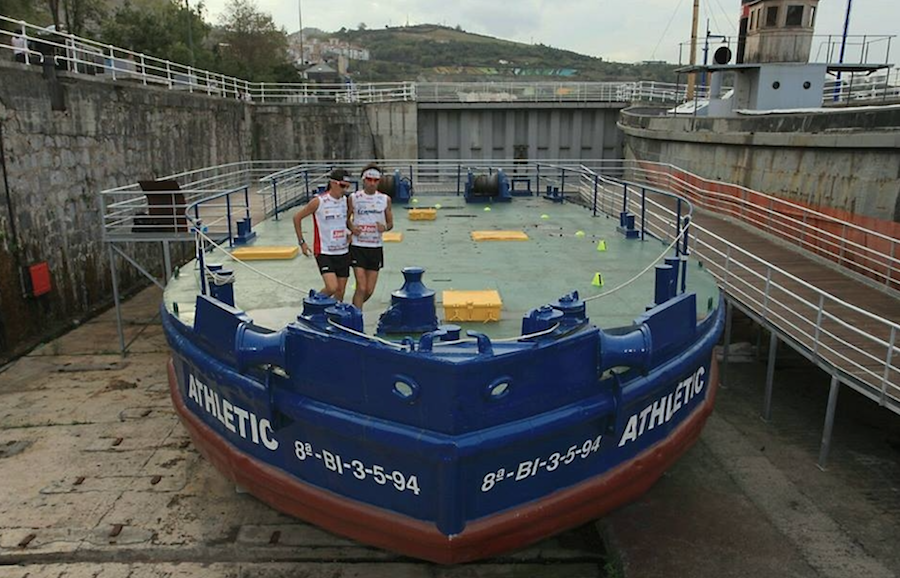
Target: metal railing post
<point x="678" y="227"/>
<point x="887" y="364"/>
<point x="829" y="421"/>
<point x="112" y="60"/>
<point x="228" y="219"/>
<point x="729" y="316"/>
<point x="247" y="202"/>
<point x="843" y="244"/>
<point x="818" y="323"/>
<point x="275" y="196"/>
<point x="890" y="264"/>
<point x="770" y="376"/>
<point x="643" y="212"/>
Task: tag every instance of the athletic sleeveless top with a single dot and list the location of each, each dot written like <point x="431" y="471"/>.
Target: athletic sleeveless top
<point x="330" y="222"/>
<point x="368" y="211"/>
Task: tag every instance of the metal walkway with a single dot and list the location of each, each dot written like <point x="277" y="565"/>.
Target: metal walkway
<point x="816" y="301"/>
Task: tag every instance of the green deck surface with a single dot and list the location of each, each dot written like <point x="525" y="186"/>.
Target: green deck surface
<point x="527" y="274"/>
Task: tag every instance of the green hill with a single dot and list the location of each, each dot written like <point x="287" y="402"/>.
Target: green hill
<point x="438" y="53"/>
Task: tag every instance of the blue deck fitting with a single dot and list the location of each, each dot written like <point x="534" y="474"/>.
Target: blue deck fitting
<point x="626" y="226"/>
<point x="403" y="191"/>
<point x="554" y="194"/>
<point x="500" y="195"/>
<point x="245" y="234"/>
<point x="412" y="307"/>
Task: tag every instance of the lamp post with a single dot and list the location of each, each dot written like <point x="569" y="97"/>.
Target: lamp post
<point x="300" y="15"/>
<point x="709" y="35"/>
<point x="837" y="84"/>
<point x="190" y="31"/>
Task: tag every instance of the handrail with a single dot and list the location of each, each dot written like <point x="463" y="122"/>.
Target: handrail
<point x="83" y="55"/>
<point x="864" y="250"/>
<point x="874" y="379"/>
<point x="805" y="314"/>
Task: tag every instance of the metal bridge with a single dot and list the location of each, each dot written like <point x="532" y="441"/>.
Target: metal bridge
<point x="78" y="55"/>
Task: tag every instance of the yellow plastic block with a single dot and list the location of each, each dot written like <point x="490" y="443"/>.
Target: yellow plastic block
<point x="422" y="214"/>
<point x="472" y="305"/>
<point x="265" y="253"/>
<point x="499" y="236"/>
<point x="392" y="237"/>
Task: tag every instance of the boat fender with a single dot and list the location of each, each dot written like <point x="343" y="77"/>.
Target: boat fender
<point x="253" y="348"/>
<point x="633" y="349"/>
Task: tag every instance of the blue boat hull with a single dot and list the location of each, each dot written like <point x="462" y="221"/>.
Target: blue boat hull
<point x="445" y="496"/>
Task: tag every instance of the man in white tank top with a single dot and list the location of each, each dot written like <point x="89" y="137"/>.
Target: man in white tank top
<point x="331" y="239"/>
<point x="369" y="216"/>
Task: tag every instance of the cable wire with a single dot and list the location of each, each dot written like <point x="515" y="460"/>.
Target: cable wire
<point x="652" y="264"/>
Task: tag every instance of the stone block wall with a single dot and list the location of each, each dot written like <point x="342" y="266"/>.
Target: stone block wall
<point x="66" y="138"/>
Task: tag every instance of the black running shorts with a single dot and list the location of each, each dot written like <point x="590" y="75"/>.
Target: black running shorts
<point x="337" y="264"/>
<point x="368" y="258"/>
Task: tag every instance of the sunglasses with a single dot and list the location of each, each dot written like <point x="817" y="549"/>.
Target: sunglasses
<point x="343" y="184"/>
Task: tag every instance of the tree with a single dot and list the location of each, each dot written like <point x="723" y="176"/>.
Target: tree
<point x="257" y="48"/>
<point x="27" y="10"/>
<point x="80" y="14"/>
<point x="162" y="30"/>
<point x="361" y="26"/>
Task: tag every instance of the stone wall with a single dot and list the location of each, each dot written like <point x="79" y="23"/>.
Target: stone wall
<point x="65" y="138"/>
<point x="844" y="160"/>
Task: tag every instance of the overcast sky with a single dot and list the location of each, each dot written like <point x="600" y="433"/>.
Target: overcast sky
<point x="618" y="30"/>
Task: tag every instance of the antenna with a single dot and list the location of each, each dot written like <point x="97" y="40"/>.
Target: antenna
<point x="300" y="15"/>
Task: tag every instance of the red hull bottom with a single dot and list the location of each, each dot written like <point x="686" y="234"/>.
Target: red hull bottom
<point x="482" y="538"/>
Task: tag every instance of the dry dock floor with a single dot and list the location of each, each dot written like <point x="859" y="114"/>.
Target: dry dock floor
<point x="99" y="479"/>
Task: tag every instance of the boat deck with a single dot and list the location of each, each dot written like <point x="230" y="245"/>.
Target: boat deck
<point x="555" y="260"/>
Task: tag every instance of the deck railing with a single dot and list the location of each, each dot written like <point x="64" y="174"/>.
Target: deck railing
<point x="860" y="347"/>
<point x="858" y="248"/>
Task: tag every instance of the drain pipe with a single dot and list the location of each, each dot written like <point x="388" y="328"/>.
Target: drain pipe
<point x="13" y="233"/>
<point x="9" y="206"/>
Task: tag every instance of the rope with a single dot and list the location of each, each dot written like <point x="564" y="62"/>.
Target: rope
<point x="501" y="340"/>
<point x="243" y="264"/>
<point x="650" y="266"/>
<point x="369" y="337"/>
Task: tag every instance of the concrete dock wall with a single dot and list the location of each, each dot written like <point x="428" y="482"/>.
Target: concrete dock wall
<point x="843" y="160"/>
<point x="64" y="139"/>
<point x="516" y="130"/>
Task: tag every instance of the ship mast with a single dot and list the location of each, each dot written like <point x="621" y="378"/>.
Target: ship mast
<point x="692" y="77"/>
